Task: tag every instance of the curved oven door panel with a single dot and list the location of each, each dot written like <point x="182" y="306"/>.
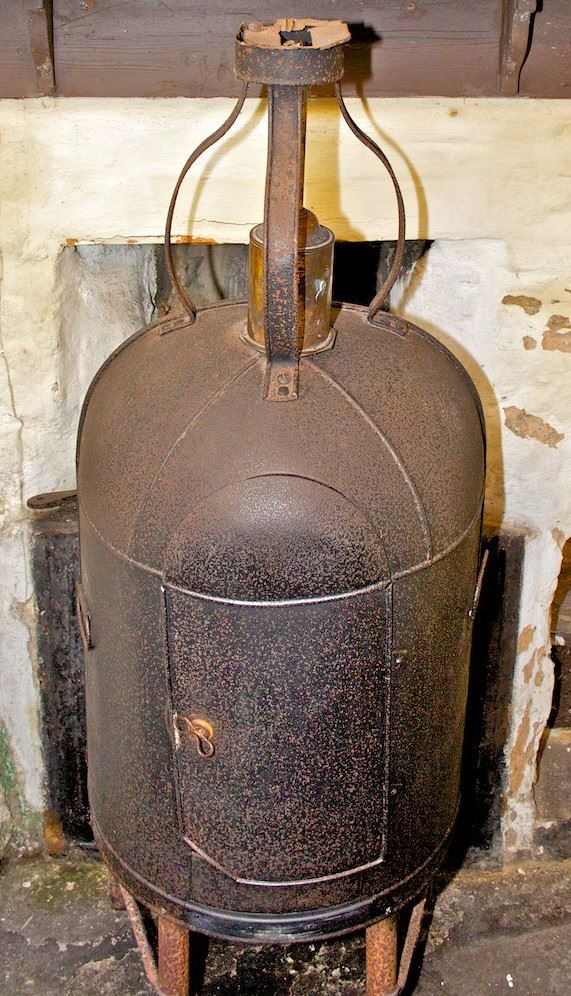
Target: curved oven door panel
<point x="279" y="718"/>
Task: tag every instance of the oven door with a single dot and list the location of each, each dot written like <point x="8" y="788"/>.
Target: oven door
<point x="279" y="716"/>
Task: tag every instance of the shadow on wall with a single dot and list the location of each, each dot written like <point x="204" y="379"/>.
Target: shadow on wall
<point x="441" y="292"/>
<point x="433" y="290"/>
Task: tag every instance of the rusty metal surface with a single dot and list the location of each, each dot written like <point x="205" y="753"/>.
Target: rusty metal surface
<point x="384" y="290"/>
<point x="141" y="937"/>
<point x="219" y="918"/>
<point x="381" y="958"/>
<point x="279" y="599"/>
<point x="495" y="629"/>
<point x="283" y="734"/>
<point x="410" y="942"/>
<point x="174" y="958"/>
<point x="297" y="67"/>
<point x="287" y="71"/>
<point x="378" y="390"/>
<point x="181" y="292"/>
<point x="386" y="974"/>
<point x="202" y="512"/>
<point x="283" y="325"/>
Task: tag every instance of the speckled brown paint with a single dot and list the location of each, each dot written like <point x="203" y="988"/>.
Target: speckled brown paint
<point x="529" y="342"/>
<point x="196" y="504"/>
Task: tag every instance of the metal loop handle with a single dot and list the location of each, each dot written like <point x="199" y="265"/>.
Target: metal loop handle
<point x="183" y="295"/>
<point x="377" y="302"/>
<point x="394" y="271"/>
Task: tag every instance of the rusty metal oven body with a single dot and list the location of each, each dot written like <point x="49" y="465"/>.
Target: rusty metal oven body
<point x="276" y="603"/>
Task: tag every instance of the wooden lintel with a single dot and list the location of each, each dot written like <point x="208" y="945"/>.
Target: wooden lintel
<point x="26" y="66"/>
<point x="39" y="19"/>
<point x="434" y="47"/>
<point x="514" y="43"/>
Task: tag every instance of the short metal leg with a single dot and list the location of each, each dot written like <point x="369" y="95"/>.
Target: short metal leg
<point x="174" y="958"/>
<point x="381" y="958"/>
<point x="141" y="937"/>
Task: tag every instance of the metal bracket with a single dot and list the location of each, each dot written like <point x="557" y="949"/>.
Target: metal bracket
<point x="479" y="583"/>
<point x="83" y="618"/>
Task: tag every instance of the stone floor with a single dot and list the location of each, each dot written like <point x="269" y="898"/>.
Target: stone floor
<point x="492" y="931"/>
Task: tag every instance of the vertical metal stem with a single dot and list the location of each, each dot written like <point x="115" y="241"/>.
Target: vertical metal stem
<point x="287" y="108"/>
<point x="174" y="958"/>
<point x="381" y="958"/>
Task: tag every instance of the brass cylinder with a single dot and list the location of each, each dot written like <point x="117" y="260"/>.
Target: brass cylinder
<point x="315" y="277"/>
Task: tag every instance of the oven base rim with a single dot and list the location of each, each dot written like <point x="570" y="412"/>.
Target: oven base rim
<point x="275" y="928"/>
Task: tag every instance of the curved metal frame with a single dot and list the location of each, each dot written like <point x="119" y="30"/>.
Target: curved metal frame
<point x="185" y="298"/>
<point x="287" y="110"/>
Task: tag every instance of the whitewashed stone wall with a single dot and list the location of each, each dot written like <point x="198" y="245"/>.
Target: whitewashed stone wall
<point x="488" y="180"/>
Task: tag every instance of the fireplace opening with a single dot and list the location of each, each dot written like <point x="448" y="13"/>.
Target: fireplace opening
<point x="107" y="293"/>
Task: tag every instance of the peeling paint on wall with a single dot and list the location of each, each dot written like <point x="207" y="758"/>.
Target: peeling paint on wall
<point x="526" y="426"/>
<point x="519" y="755"/>
<point x="554" y="336"/>
<point x="557" y="322"/>
<point x="525" y="638"/>
<point x="529" y="342"/>
<point x="559" y="537"/>
<point x="530" y="666"/>
<point x="455" y="295"/>
<point x="531" y="305"/>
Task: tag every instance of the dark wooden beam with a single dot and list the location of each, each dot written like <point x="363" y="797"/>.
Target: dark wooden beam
<point x="514" y="43"/>
<point x="185" y="47"/>
<point x="547" y="69"/>
<point x="26" y="67"/>
<point x="112" y="48"/>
